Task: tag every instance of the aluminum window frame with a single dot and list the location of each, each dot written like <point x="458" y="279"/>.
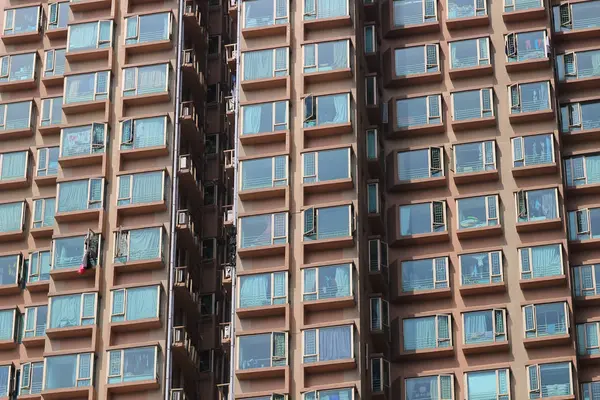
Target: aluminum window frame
<point x="8" y="74"/>
<point x="534" y="329"/>
<point x="81" y="311"/>
<point x="524" y="195"/>
<point x="272" y="295"/>
<point x="125" y="294"/>
<point x="502" y="396"/>
<point x="495" y="330"/>
<point x="135" y="87"/>
<point x="316" y="52"/>
<point x="52" y="69"/>
<point x="271" y="348"/>
<point x="137" y="28"/>
<point x="132" y="122"/>
<point x="130" y="197"/>
<point x="317" y="344"/>
<point x="490" y="268"/>
<point x="126" y="232"/>
<point x="273" y="172"/>
<point x="34" y="310"/>
<point x="537" y="390"/>
<point x="122" y="359"/>
<point x="99" y="41"/>
<point x="49" y="102"/>
<point x="44" y="206"/>
<point x="316" y="292"/>
<point x="529" y="251"/>
<point x="93" y="145"/>
<point x="12" y="19"/>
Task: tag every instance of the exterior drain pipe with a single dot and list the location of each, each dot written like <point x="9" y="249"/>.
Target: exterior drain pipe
<point x="174" y="206"/>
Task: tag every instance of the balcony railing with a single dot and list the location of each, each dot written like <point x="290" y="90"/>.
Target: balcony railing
<point x="182" y="338"/>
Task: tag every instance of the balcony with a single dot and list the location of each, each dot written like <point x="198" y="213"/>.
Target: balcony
<point x="140" y="249"/>
<point x="13" y="221"/>
<point x="575" y="20"/>
<point x="523" y="10"/>
<point x="541" y="266"/>
<point x="148" y="33"/>
<point x="146" y="84"/>
<point x="321" y="16"/>
<point x="527" y="51"/>
<point x="320" y="64"/>
<point x="186" y="231"/>
<point x="270" y="128"/>
<point x="411" y="65"/>
<point x="145" y="377"/>
<point x="533" y="155"/>
<point x="19" y="72"/>
<point x="473" y="109"/>
<point x="484" y="332"/>
<point x="76" y="256"/>
<point x="144" y="137"/>
<point x="86" y="92"/>
<point x="186" y="292"/>
<point x="193" y="74"/>
<point x="415" y="116"/>
<point x="481" y="273"/>
<point x="426" y="337"/>
<point x="328" y="227"/>
<point x="191" y="126"/>
<point x="416" y="169"/>
<point x="537" y="210"/>
<point x="189" y="177"/>
<point x="319" y="358"/>
<point x="262" y="356"/>
<point x="466" y="14"/>
<point x="142" y="193"/>
<point x="231" y="55"/>
<point x="24" y="26"/>
<point x="90" y="41"/>
<point x="185" y="353"/>
<point x="404" y="17"/>
<point x="135" y="309"/>
<point x="263" y="178"/>
<point x="475" y="162"/>
<point x="264" y="18"/>
<point x="530" y="102"/>
<point x="421" y="280"/>
<point x="263" y="235"/>
<point x="328" y="115"/>
<point x="193" y="20"/>
<point x="546" y="325"/>
<point x="265" y="69"/>
<point x="83" y="145"/>
<point x="420" y="223"/>
<point x="17" y="121"/>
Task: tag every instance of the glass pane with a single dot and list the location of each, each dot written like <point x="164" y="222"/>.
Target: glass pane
<point x="142" y="303"/>
<point x="83" y="37"/>
<point x="415" y="219"/>
<point x="257" y="174"/>
<point x="472" y="213"/>
<point x="254" y="351"/>
<point x="462" y="9"/>
<point x="467" y="105"/>
<point x="333" y="164"/>
<point x="530" y="46"/>
<point x="10" y="217"/>
<point x="410" y="61"/>
<point x="147" y="132"/>
<point x="148" y="187"/>
<point x="144" y="244"/>
<point x="408" y="12"/>
<point x="414" y="165"/>
<point x="9" y="268"/>
<point x="550" y="320"/>
<point x="333" y="222"/>
<point x="419" y="333"/>
<point x="463" y="54"/>
<point x="417" y="275"/>
<point x="25" y="20"/>
<point x="482" y="385"/>
<point x="546" y="260"/>
<point x="79" y="88"/>
<point x="334" y="281"/>
<point x="333" y="55"/>
<point x="7" y="321"/>
<point x="73" y="196"/>
<point x="411" y="112"/>
<point x="534" y="97"/>
<point x="256" y="231"/>
<point x="255" y="290"/>
<point x="153" y="27"/>
<point x="76" y="141"/>
<point x="65" y="311"/>
<point x="331" y="8"/>
<point x="555" y="379"/>
<point x="538" y="149"/>
<point x="422" y="388"/>
<point x="68" y="252"/>
<point x="139" y="364"/>
<point x="335" y="343"/>
<point x="151" y="79"/>
<point x="258" y="64"/>
<point x="61" y="372"/>
<point x="479" y="327"/>
<point x="475" y="269"/>
<point x="541" y="205"/>
<point x="18" y="115"/>
<point x="469" y="158"/>
<point x="258" y="13"/>
<point x="257" y="118"/>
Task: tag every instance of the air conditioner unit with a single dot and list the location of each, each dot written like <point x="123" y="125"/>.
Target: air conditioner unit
<point x="226" y="332"/>
<point x="227" y="272"/>
<point x="183" y="163"/>
<point x="183" y="217"/>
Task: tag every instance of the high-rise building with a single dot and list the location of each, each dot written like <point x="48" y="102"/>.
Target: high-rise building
<point x="112" y="137"/>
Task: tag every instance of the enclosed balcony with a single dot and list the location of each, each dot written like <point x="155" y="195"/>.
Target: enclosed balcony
<point x="481" y="273"/>
<point x="22" y="24"/>
<point x="328" y="114"/>
<point x="407" y="17"/>
<point x="328" y="349"/>
<point x="327" y="170"/>
<point x="578" y="70"/>
<point x="580" y="120"/>
<point x="54" y="67"/>
<point x="231" y="55"/>
<point x="146" y="84"/>
<point x="17" y="120"/>
<point x="68" y="376"/>
<point x="83" y="145"/>
<point x="80" y="199"/>
<point x="467" y="14"/>
<point x="148" y="32"/>
<point x="473" y="109"/>
<point x="34" y="329"/>
<point x="416" y="169"/>
<point x="135" y="308"/>
<point x="478" y="217"/>
<point x="546" y="324"/>
<point x="551" y="381"/>
<point x="427" y="337"/>
<point x="537" y="210"/>
<point x="90" y="41"/>
<point x="587" y="342"/>
<point x="58" y="18"/>
<point x="134" y="369"/>
<point x="328" y="227"/>
<point x="326" y="14"/>
<point x="432" y="386"/>
<point x="264" y="122"/>
<point x="579" y="20"/>
<point x="42" y="223"/>
<point x="139" y="249"/>
<point x="12" y="274"/>
<point x="51" y="116"/>
<point x="488" y="384"/>
<point x="263" y="178"/>
<point x="585" y="289"/>
<point x="10" y="329"/>
<point x="141" y="193"/>
<point x="265" y="69"/>
<point x="327" y="61"/>
<point x="12" y="221"/>
<point x="38" y="277"/>
<point x="262" y="18"/>
<point x="475" y="162"/>
<point x="72" y="315"/>
<point x="484" y="331"/>
<point x="424" y="279"/>
<point x="144" y="137"/>
<point x="262" y="356"/>
<point x="418" y="223"/>
<point x="18" y="72"/>
<point x="530" y="102"/>
<point x="412" y="65"/>
<point x="527" y="51"/>
<point x="86" y="92"/>
<point x="470" y="58"/>
<point x="416" y="116"/>
<point x="521" y="10"/>
<point x="584" y="227"/>
<point x="533" y="155"/>
<point x="541" y="266"/>
<point x="263" y="235"/>
<point x="327" y="287"/>
<point x="72" y="253"/>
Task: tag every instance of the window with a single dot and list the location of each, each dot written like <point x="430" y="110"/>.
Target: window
<point x="493" y="383"/>
<point x="259" y="13"/>
<point x="469" y="53"/>
<point x="39" y="266"/>
<point x="16" y="115"/>
<point x="532" y="150"/>
<point x="138" y="245"/>
<point x="584" y="280"/>
<point x="371" y="92"/>
<point x="370" y="39"/>
<point x="142" y="133"/>
<point x="10" y="328"/>
<point x="85" y="194"/>
<point x="423" y="218"/>
<point x="328" y="344"/>
<point x="326" y="56"/>
<point x="149" y="79"/>
<point x="373" y="198"/>
<point x="474" y="157"/>
<point x="481" y="268"/>
<point x="466" y="8"/>
<point x="580" y="116"/>
<point x="378" y="256"/>
<point x="477" y="212"/>
<point x="418" y="111"/>
<point x="261" y="173"/>
<point x="265" y="117"/>
<point x="543" y="320"/>
<point x="35" y="321"/>
<point x="550" y="380"/>
<point x="209" y="193"/>
<point x="13" y="165"/>
<point x="58" y="15"/>
<point x="581" y="170"/>
<point x="417" y="60"/>
<point x="380" y="314"/>
<point x="7" y="381"/>
<point x="327" y="282"/>
<point x="22" y="20"/>
<point x="577" y="65"/>
<point x="537" y="205"/>
<point x="133" y="364"/>
<point x="258" y="290"/>
<point x="430" y="387"/>
<point x="426" y="274"/>
<point x="427" y="332"/>
<point x="326" y="165"/>
<point x="488" y="326"/>
<point x="327" y="109"/>
<point x="587" y="340"/>
<point x="472" y="104"/>
<point x="372" y="145"/>
<point x="411" y="12"/>
<point x="69" y="252"/>
<point x="140" y="188"/>
<point x="148" y="28"/>
<point x="51" y="111"/>
<point x="86" y="87"/>
<point x="208" y="249"/>
<point x="47" y="164"/>
<point x="137" y="303"/>
<point x="43" y="212"/>
<point x="321" y="9"/>
<point x="90" y="36"/>
<point x="83" y="140"/>
<point x="54" y="62"/>
<point x="328" y="222"/>
<point x="529" y="97"/>
<point x="73" y="310"/>
<point x="577" y="16"/>
<point x="11" y="269"/>
<point x="541" y="261"/>
<point x="584" y="224"/>
<point x="347" y="393"/>
<point x="590" y="390"/>
<point x="265" y="64"/>
<point x="526" y="46"/>
<point x="263" y="230"/>
<point x="380" y="375"/>
<point x="421" y="164"/>
<point x="32" y="378"/>
<point x="262" y="350"/>
<point x="520" y="5"/>
<point x="18" y="67"/>
<point x="68" y="371"/>
<point x="12" y="217"/>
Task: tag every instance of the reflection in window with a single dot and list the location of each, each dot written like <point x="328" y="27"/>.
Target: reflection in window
<point x="326" y="165"/>
<point x="466" y="8"/>
<point x="416" y="60"/>
<point x="326" y="56"/>
<point x="430" y="387"/>
<point x="418" y="111"/>
<point x="546" y="319"/>
<point x="524" y="46"/>
<point x="423" y="218"/>
<point x="9" y="269"/>
<point x="541" y="261"/>
<point x="264" y="13"/>
<point x="414" y="12"/>
<point x="427" y="274"/>
<point x="51" y="111"/>
<point x="537" y="205"/>
<point x="477" y="212"/>
<point x="469" y="53"/>
<point x="533" y="150"/>
<point x="264" y="117"/>
<point x="263" y="230"/>
<point x="327" y="282"/>
<point x="475" y="157"/>
<point x="420" y="164"/>
<point x="472" y="104"/>
<point x="19" y="67"/>
<point x="481" y="268"/>
<point x="529" y="97"/>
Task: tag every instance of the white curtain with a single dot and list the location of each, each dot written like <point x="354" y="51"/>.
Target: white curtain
<point x="76" y="141"/>
<point x="252" y="118"/>
<point x="478" y="327"/>
<point x="335" y="343"/>
<point x="255" y="290"/>
<point x="10" y="217"/>
<point x="73" y="196"/>
<point x="331" y="8"/>
<point x="144" y="244"/>
<point x="546" y="261"/>
<point x="419" y="333"/>
<point x="148" y="132"/>
<point x="152" y="79"/>
<point x="65" y="311"/>
<point x="6" y="325"/>
<point x="258" y="64"/>
<point x="592" y="164"/>
<point x="142" y="303"/>
<point x="147" y="187"/>
<point x="83" y="36"/>
<point x="13" y="165"/>
<point x="342" y="281"/>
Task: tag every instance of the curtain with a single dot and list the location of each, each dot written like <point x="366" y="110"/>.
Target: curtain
<point x="152" y="79"/>
<point x="148" y="132"/>
<point x="257" y="173"/>
<point x="592" y="338"/>
<point x="592" y="164"/>
<point x="340" y="54"/>
<point x="138" y="364"/>
<point x="335" y="343"/>
<point x="255" y="290"/>
<point x="83" y="36"/>
<point x="342" y="281"/>
<point x="61" y="372"/>
<point x="69" y="252"/>
<point x="405" y="226"/>
<point x="340" y="102"/>
<point x="422" y="388"/>
<point x="153" y="27"/>
<point x="13" y="165"/>
<point x="279" y="287"/>
<point x="254" y="351"/>
<point x="6" y="324"/>
<point x="73" y="196"/>
<point x="144" y="244"/>
<point x="49" y="207"/>
<point x="546" y="261"/>
<point x="65" y="311"/>
<point x="478" y="327"/>
<point x="10" y="217"/>
<point x="8" y="270"/>
<point x="258" y="64"/>
<point x="18" y="115"/>
<point x="419" y="333"/>
<point x="256" y="231"/>
<point x="147" y="187"/>
<point x="331" y="8"/>
<point x="76" y="141"/>
<point x="252" y="118"/>
<point x="80" y="88"/>
<point x="142" y="303"/>
<point x="4" y="379"/>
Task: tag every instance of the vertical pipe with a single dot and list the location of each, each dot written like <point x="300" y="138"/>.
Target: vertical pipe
<point x="174" y="205"/>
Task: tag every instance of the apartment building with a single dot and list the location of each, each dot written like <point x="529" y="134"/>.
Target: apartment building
<point x="113" y="240"/>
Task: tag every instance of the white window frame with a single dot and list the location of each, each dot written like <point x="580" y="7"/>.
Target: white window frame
<point x="316" y="292"/>
<point x="83" y="238"/>
<point x="489" y="257"/>
<point x="380" y="262"/>
<point x="51" y="22"/>
<point x="475" y="10"/>
<point x="275" y="17"/>
<point x="539" y="377"/>
<point x="33" y="220"/>
<point x="14" y="11"/>
<point x="315" y="103"/>
<point x="49" y="102"/>
<point x="578" y="271"/>
<point x="487" y="210"/>
<point x="38" y="267"/>
<point x="314" y="13"/>
<point x="117" y="238"/>
<point x="317" y="354"/>
<point x="122" y="351"/>
<point x="133" y="121"/>
<point x="585" y="335"/>
<point x="272" y="342"/>
<point x="523" y="159"/>
<point x="436" y="282"/>
<point x="136" y="69"/>
<point x="496" y="332"/>
<point x="89" y="193"/>
<point x="518" y="106"/>
<point x="91" y="133"/>
<point x="98" y="40"/>
<point x="483" y="151"/>
<point x="381" y="305"/>
<point x="429" y="157"/>
<point x="272" y="295"/>
<point x="478" y="46"/>
<point x="273" y="113"/>
<point x="273" y="179"/>
<point x="316" y="51"/>
<point x="376" y="136"/>
<point x="533" y="307"/>
<point x="96" y="92"/>
<point x="439" y="383"/>
<point x="315" y="211"/>
<point x="9" y="57"/>
<point x="130" y="178"/>
<point x="316" y="155"/>
<point x="525" y="195"/>
<point x="125" y="294"/>
<point x="29" y="377"/>
<point x="77" y="377"/>
<point x="529" y="251"/>
<point x="46" y="69"/>
<point x="515" y="36"/>
<point x="137" y="30"/>
<point x="499" y="395"/>
<point x="26" y="161"/>
<point x="81" y="303"/>
<point x="33" y="310"/>
<point x="5" y="109"/>
<point x="481" y="109"/>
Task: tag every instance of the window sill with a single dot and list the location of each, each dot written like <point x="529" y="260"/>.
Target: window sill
<point x="328" y="186"/>
<point x="261" y="373"/>
<point x="576" y="136"/>
<point x="580" y="83"/>
<point x="474" y="123"/>
<point x="88" y="54"/>
<point x="19" y="38"/>
<point x="475" y="233"/>
<point x="16" y="133"/>
<point x="423" y="295"/>
<point x="589" y="359"/>
<point x="45" y="180"/>
<point x="262" y="311"/>
<point x="262" y="251"/>
<point x="480" y="348"/>
<point x="65" y="274"/>
<point x="133" y="387"/>
<point x="52" y="81"/>
<point x="474" y="177"/>
<point x="18" y="85"/>
<point x="12" y="236"/>
<point x="89" y="5"/>
<point x="264" y="138"/>
<point x="327" y="23"/>
<point x="584" y="244"/>
<point x="397" y="185"/>
<point x="265" y="31"/>
<point x="393" y="80"/>
<point x="329" y="366"/>
<point x="19" y="183"/>
<point x="7" y="344"/>
<point x="327" y="76"/>
<point x="328" y="244"/>
<point x="31" y="342"/>
<point x="528" y="65"/>
<point x="536" y="226"/>
<point x="524" y="15"/>
<point x="267" y="83"/>
<point x="43" y="232"/>
<point x="142" y="208"/>
<point x="10" y="289"/>
<point x="547" y="341"/>
<point x="58" y="33"/>
<point x="71" y="332"/>
<point x="397" y="31"/>
<point x="486" y="288"/>
<point x="136" y="325"/>
<point x="471" y="72"/>
<point x="427" y="353"/>
<point x="547" y="281"/>
<point x="264" y="193"/>
<point x="37" y="287"/>
<point x="467" y="22"/>
<point x="535" y="170"/>
<point x="78" y="161"/>
<point x="335" y="303"/>
<point x="147" y="47"/>
<point x="85" y="106"/>
<point x="139" y="265"/>
<point x="531" y="116"/>
<point x="577" y="34"/>
<point x="80" y="215"/>
<point x="146" y="99"/>
<point x="328" y="129"/>
<point x="423" y="238"/>
<point x="584" y="189"/>
<point x="585" y="301"/>
<point x="50" y="129"/>
<point x="416" y="130"/>
<point x="145" y="152"/>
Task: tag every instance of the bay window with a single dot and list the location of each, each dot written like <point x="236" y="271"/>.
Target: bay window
<point x="12" y="217"/>
<point x="421" y="164"/>
<point x="417" y="60"/>
<point x="584" y="224"/>
<point x="68" y="371"/>
<point x="139" y="244"/>
<point x="22" y="20"/>
<point x="478" y="212"/>
<point x="466" y="8"/>
<point x="261" y="173"/>
<point x="258" y="290"/>
<point x="43" y="212"/>
<point x="143" y="187"/>
<point x="84" y="194"/>
<point x="264" y="117"/>
<point x="586" y="280"/>
<point x="148" y="28"/>
<point x="142" y="133"/>
<point x="262" y="350"/>
<point x="148" y="79"/>
<point x="13" y="165"/>
<point x="489" y="384"/>
<point x="136" y="303"/>
<point x="69" y="252"/>
<point x="543" y="320"/>
<point x="263" y="230"/>
<point x="418" y="111"/>
<point x="426" y="274"/>
<point x="47" y="164"/>
<point x="321" y="9"/>
<point x="35" y="321"/>
<point x="439" y="387"/>
<point x="328" y="222"/>
<point x="529" y="97"/>
<point x="537" y="205"/>
<point x="474" y="157"/>
<point x="18" y="67"/>
<point x="472" y="104"/>
<point x="265" y="64"/>
<point x="423" y="218"/>
<point x="487" y="326"/>
<point x="73" y="310"/>
<point x="414" y="12"/>
<point x="430" y="332"/>
<point x="577" y="65"/>
<point x="526" y="46"/>
<point x="481" y="268"/>
<point x="16" y="115"/>
<point x="587" y="339"/>
<point x="83" y="140"/>
<point x="581" y="170"/>
<point x="569" y="17"/>
<point x="58" y="15"/>
<point x="51" y="111"/>
<point x="327" y="282"/>
<point x="326" y="56"/>
<point x="469" y="53"/>
<point x="326" y="165"/>
<point x="90" y="36"/>
<point x="328" y="343"/>
<point x="260" y="13"/>
<point x="550" y="380"/>
<point x="87" y="87"/>
<point x="580" y="116"/>
<point x="533" y="150"/>
<point x="54" y="62"/>
<point x="520" y="5"/>
<point x="133" y="364"/>
<point x="541" y="261"/>
<point x="39" y="266"/>
<point x="327" y="109"/>
<point x="32" y="378"/>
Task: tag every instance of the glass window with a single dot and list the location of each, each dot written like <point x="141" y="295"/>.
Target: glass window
<point x="263" y="173"/>
<point x="541" y="261"/>
<point x="258" y="13"/>
<point x="524" y="46"/>
<point x="418" y="111"/>
<point x="529" y="97"/>
<point x="481" y="268"/>
<point x="35" y="321"/>
<point x="466" y="8"/>
<point x="326" y="56"/>
<point x="572" y="17"/>
<point x="587" y="340"/>
<point x="469" y="53"/>
<point x="263" y="230"/>
<point x="426" y="274"/>
<point x="328" y="344"/>
<point x="43" y="212"/>
<point x="346" y="393"/>
<point x="22" y="20"/>
<point x="533" y="150"/>
<point x="490" y="384"/>
<point x="430" y="387"/>
<point x="8" y="324"/>
<point x="258" y="290"/>
<point x="133" y="364"/>
<point x="585" y="278"/>
<point x="380" y="314"/>
<point x="370" y="39"/>
<point x="414" y="12"/>
<point x="520" y="5"/>
<point x="58" y="15"/>
<point x="262" y="351"/>
<point x="427" y="332"/>
<point x="83" y="140"/>
<point x="16" y="115"/>
<point x="325" y="110"/>
<point x="590" y="390"/>
<point x="144" y="187"/>
<point x="549" y="380"/>
<point x="148" y="28"/>
<point x="138" y="244"/>
<point x="86" y="194"/>
<point x="546" y="319"/>
<point x="417" y="60"/>
<point x="11" y="217"/>
<point x="326" y="165"/>
<point x="577" y="65"/>
<point x="372" y="145"/>
<point x="321" y="9"/>
<point x="423" y="218"/>
<point x="18" y="67"/>
<point x="421" y="164"/>
<point x="327" y="282"/>
<point x="47" y="164"/>
<point x="13" y="165"/>
<point x="328" y="222"/>
<point x="86" y="87"/>
<point x="54" y="62"/>
<point x="371" y="91"/>
<point x="144" y="80"/>
<point x="10" y="269"/>
<point x="475" y="157"/>
<point x="378" y="260"/>
<point x="39" y="266"/>
<point x="477" y="212"/>
<point x="68" y="371"/>
<point x="472" y="104"/>
<point x="584" y="224"/>
<point x="131" y="304"/>
<point x="580" y="116"/>
<point x="51" y="111"/>
<point x="581" y="170"/>
<point x="380" y="375"/>
<point x="90" y="36"/>
<point x="264" y="64"/>
<point x="265" y="117"/>
<point x="73" y="310"/>
<point x="373" y="198"/>
<point x="69" y="251"/>
<point x="141" y="133"/>
<point x="32" y="378"/>
<point x="537" y="205"/>
<point x="6" y="380"/>
<point x="486" y="326"/>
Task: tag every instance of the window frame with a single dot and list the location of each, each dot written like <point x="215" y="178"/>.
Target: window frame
<point x="93" y="145"/>
<point x="314" y="113"/>
<point x="81" y="311"/>
<point x="49" y="102"/>
<point x="478" y="48"/>
<point x="315" y="225"/>
<point x="30" y="377"/>
<point x="44" y="210"/>
<point x="132" y="121"/>
<point x="275" y="17"/>
<point x="13" y="11"/>
<point x="482" y="110"/>
<point x="523" y="195"/>
<point x="521" y="139"/>
<point x="272" y="295"/>
<point x="122" y="362"/>
<point x="495" y="330"/>
<point x="519" y="106"/>
<point x="316" y="158"/>
<point x="135" y="87"/>
<point x="430" y="157"/>
<point x="52" y="69"/>
<point x="84" y="238"/>
<point x="28" y="311"/>
<point x="538" y="389"/>
<point x="26" y="169"/>
<point x="125" y="294"/>
<point x="130" y="197"/>
<point x="383" y="306"/>
<point x="96" y="92"/>
<point x="99" y="41"/>
<point x="499" y="395"/>
<point x="51" y="24"/>
<point x="271" y="347"/>
<point x="490" y="267"/>
<point x="273" y="172"/>
<point x="316" y="292"/>
<point x="534" y="329"/>
<point x="77" y="369"/>
<point x="436" y="283"/>
<point x="483" y="151"/>
<point x="529" y="250"/>
<point x="315" y="45"/>
<point x="137" y="28"/>
<point x="380" y="256"/>
<point x="385" y="377"/>
<point x="317" y="354"/>
<point x="30" y="273"/>
<point x="439" y="383"/>
<point x="515" y="39"/>
<point x="9" y="57"/>
<point x="585" y="336"/>
<point x="374" y="46"/>
<point x="90" y="201"/>
<point x="117" y="237"/>
<point x="377" y="207"/>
